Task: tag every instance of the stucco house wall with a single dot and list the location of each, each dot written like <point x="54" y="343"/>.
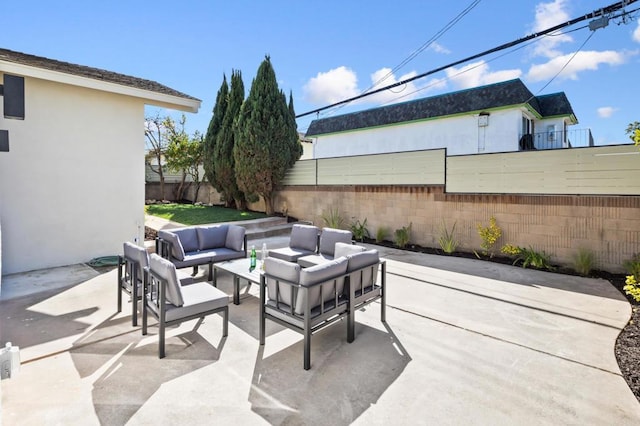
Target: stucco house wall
<point x="72" y="183"/>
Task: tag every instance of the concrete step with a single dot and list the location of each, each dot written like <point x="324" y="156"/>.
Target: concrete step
<point x="277" y="230"/>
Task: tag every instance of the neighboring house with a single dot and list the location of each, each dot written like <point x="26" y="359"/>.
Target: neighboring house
<point x="499" y="117"/>
<point x="72" y="170"/>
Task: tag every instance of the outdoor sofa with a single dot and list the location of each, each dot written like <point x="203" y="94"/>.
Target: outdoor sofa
<point x="309" y="299"/>
<point x="202" y="245"/>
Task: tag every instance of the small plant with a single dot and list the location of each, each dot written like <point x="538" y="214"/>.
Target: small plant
<point x="632" y="266"/>
<point x="489" y="235"/>
<point x="403" y="235"/>
<point x="632" y="288"/>
<point x="333" y="219"/>
<point x="359" y="230"/>
<point x="447" y="240"/>
<point x="583" y="261"/>
<point x="530" y="257"/>
<point x="510" y="250"/>
<point x="381" y="233"/>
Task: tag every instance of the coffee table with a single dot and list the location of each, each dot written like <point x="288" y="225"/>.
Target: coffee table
<point x="239" y="268"/>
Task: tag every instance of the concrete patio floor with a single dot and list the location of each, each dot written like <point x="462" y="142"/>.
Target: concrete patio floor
<point x="466" y="342"/>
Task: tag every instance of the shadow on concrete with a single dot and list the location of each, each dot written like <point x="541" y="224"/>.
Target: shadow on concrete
<point x="345" y="379"/>
<point x="125" y="371"/>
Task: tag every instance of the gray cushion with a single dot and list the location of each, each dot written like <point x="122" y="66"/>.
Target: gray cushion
<point x="188" y="238"/>
<point x="176" y="247"/>
<point x="290" y="254"/>
<point x="211" y="236"/>
<point x="199" y="298"/>
<point x="313" y="259"/>
<point x="235" y="238"/>
<point x="277" y="269"/>
<point x="304" y="237"/>
<point x="343" y="249"/>
<point x="366" y="277"/>
<point x="167" y="271"/>
<point x="323" y="273"/>
<point x="138" y="255"/>
<point x="205" y="256"/>
<point x="330" y="237"/>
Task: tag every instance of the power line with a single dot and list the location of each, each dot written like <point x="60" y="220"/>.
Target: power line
<point x="597" y="13"/>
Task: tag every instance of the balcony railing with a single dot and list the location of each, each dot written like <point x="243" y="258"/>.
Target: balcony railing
<point x="556" y="140"/>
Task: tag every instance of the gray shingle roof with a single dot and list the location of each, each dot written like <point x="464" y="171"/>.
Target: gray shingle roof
<point x="512" y="92"/>
<point x="89" y="72"/>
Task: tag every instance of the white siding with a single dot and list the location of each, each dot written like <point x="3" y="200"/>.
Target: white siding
<point x="72" y="185"/>
<point x="459" y="135"/>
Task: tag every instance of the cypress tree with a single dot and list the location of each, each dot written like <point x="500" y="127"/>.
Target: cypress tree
<point x="266" y="143"/>
<point x="219" y="111"/>
<point x="224" y="162"/>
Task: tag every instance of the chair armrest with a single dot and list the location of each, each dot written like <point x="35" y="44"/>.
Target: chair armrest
<point x="164" y="248"/>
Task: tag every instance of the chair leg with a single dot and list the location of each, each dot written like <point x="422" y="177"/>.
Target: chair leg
<point x="307" y="349"/>
<point x="383" y="302"/>
<point x="210" y="277"/>
<point x="195" y="270"/>
<point x="119" y="286"/>
<point x="161" y="340"/>
<point x="144" y="317"/>
<point x="134" y="302"/>
<point x="225" y="322"/>
<point x="351" y="325"/>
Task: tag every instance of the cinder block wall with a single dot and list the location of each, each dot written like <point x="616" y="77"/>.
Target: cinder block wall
<point x="609" y="226"/>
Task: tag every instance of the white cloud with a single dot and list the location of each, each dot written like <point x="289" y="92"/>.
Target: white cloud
<point x="588" y="60"/>
<point x="636" y="33"/>
<point x="438" y="48"/>
<point x="332" y="86"/>
<point x="547" y="16"/>
<point x="478" y="74"/>
<point x="606" y="112"/>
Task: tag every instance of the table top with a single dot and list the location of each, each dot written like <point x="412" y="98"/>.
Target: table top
<point x="240" y="267"/>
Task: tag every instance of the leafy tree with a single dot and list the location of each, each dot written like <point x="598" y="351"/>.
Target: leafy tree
<point x="267" y="142"/>
<point x="213" y="130"/>
<point x="157" y="143"/>
<point x="632" y="130"/>
<point x="224" y="163"/>
<point x="184" y="154"/>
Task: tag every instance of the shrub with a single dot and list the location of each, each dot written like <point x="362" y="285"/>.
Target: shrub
<point x="632" y="288"/>
<point x="632" y="266"/>
<point x="333" y="219"/>
<point x="510" y="250"/>
<point x="359" y="230"/>
<point x="447" y="240"/>
<point x="489" y="235"/>
<point x="403" y="235"/>
<point x="530" y="257"/>
<point x="381" y="233"/>
<point x="583" y="261"/>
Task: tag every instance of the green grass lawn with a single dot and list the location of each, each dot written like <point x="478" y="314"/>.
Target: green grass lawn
<point x="189" y="214"/>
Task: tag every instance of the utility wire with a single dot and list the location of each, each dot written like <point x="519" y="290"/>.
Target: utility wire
<point x="601" y="12"/>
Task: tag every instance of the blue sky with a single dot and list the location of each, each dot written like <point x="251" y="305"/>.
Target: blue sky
<point x="326" y="51"/>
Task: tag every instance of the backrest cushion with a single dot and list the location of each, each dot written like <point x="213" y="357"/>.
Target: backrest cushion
<point x="330" y="237"/>
<point x="322" y="273"/>
<point x="188" y="238"/>
<point x="343" y="249"/>
<point x="235" y="238"/>
<point x="177" y="251"/>
<point x="361" y="260"/>
<point x="209" y="237"/>
<point x="304" y="237"/>
<point x="281" y="269"/>
<point x="167" y="271"/>
<point x="137" y="254"/>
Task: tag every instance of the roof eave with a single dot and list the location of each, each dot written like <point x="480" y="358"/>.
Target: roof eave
<point x="148" y="96"/>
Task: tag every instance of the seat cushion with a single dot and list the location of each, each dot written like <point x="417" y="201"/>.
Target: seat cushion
<point x="330" y="237"/>
<point x="235" y="238"/>
<point x="199" y="298"/>
<point x="343" y="249"/>
<point x="313" y="259"/>
<point x="331" y="273"/>
<point x="177" y="251"/>
<point x="188" y="238"/>
<point x="167" y="271"/>
<point x="304" y="237"/>
<point x="213" y="236"/>
<point x="290" y="254"/>
<point x="205" y="256"/>
<point x="276" y="270"/>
